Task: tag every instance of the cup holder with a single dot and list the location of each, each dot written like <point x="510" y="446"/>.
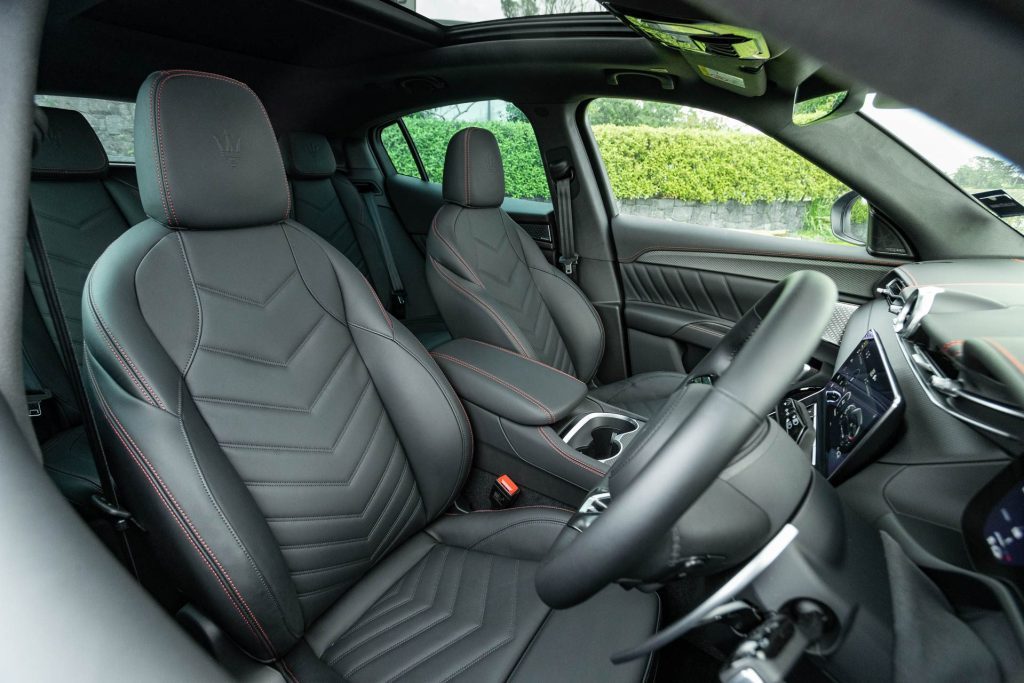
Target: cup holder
<point x="601" y="436"/>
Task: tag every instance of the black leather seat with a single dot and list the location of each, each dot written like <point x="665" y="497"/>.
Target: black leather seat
<point x="492" y="283"/>
<point x="291" y="449"/>
<point x="80" y="211"/>
<point x="327" y="202"/>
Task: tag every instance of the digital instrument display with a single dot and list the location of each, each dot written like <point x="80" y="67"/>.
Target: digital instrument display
<point x="857" y="401"/>
<point x="1004" y="528"/>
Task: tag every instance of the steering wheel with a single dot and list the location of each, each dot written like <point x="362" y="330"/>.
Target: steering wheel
<point x="686" y="447"/>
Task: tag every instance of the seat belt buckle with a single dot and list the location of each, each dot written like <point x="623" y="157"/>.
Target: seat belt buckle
<point x="504" y="492"/>
<point x="569" y="263"/>
<point x="118" y="516"/>
<point x="398" y="303"/>
<point x="35" y="401"/>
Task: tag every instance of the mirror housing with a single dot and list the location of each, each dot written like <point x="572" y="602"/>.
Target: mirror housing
<point x="855" y="221"/>
<point x="819" y="98"/>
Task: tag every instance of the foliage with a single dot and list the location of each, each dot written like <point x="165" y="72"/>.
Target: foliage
<point x="706" y="166"/>
<point x="989" y="173"/>
<point x="817" y="108"/>
<point x="531" y="8"/>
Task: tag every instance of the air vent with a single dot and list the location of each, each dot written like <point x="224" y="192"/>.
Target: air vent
<point x="892" y="292"/>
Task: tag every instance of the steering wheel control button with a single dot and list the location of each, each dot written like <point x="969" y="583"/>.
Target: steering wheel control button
<point x="504" y="492"/>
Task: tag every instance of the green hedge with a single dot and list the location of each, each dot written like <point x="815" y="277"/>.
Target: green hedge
<point x="642" y="162"/>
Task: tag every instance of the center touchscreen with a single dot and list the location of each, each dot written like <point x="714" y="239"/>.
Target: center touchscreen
<point x="860" y="406"/>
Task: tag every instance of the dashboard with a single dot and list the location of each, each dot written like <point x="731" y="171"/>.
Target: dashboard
<point x="921" y="428"/>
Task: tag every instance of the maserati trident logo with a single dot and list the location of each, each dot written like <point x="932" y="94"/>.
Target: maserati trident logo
<point x="312" y="147"/>
<point x="230" y="148"/>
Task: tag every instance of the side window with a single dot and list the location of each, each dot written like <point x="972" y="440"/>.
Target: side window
<point x="113" y="121"/>
<point x="431" y="129"/>
<point x="692" y="166"/>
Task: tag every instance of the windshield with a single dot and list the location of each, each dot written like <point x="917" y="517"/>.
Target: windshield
<point x="468" y="11"/>
<point x="974" y="168"/>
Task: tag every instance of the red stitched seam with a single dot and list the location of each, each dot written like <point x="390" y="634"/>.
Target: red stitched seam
<point x="162" y="158"/>
<point x="465" y="151"/>
<point x="491" y="311"/>
<point x="156" y="151"/>
<point x="108" y="334"/>
<point x="754" y="252"/>
<point x="950" y="344"/>
<point x="1005" y="352"/>
<point x="500" y="381"/>
<point x="188" y="521"/>
<point x="433" y="229"/>
<point x="131" y="376"/>
<point x="531" y="360"/>
<point x="376" y="298"/>
<point x="567" y="456"/>
<point x="523" y="507"/>
<point x="107" y="414"/>
<point x="266" y="117"/>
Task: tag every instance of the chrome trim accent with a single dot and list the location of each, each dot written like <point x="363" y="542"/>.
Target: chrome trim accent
<point x="917" y="307"/>
<point x="596" y="503"/>
<point x="617" y="438"/>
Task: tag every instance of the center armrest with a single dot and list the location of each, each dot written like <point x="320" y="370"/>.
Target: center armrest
<point x="507" y="384"/>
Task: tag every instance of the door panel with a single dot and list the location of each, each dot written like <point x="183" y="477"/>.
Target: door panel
<point x="684" y="285"/>
<point x="416" y="201"/>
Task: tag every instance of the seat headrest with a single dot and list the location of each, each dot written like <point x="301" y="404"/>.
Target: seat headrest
<point x="473" y="174"/>
<point x="206" y="154"/>
<point x="69" y="148"/>
<point x="307" y="155"/>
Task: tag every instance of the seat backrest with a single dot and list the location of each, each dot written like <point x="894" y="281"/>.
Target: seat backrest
<point x="327" y="203"/>
<point x="490" y="279"/>
<point x="272" y="427"/>
<point x="80" y="211"/>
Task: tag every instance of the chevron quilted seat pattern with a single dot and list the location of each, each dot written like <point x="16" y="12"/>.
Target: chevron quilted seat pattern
<point x="74" y="237"/>
<point x="317" y="207"/>
<point x="353" y="495"/>
<point x="506" y="277"/>
<point x="452" y="617"/>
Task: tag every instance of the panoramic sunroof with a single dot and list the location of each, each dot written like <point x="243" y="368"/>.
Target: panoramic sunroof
<point x="469" y="11"/>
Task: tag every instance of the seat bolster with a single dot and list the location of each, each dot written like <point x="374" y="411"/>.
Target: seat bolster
<point x="434" y="429"/>
<point x="184" y="491"/>
<point x="577" y="320"/>
<point x="525" y="533"/>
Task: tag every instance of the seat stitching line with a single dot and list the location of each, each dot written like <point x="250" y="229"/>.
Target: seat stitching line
<point x="567" y="456"/>
<point x="500" y="381"/>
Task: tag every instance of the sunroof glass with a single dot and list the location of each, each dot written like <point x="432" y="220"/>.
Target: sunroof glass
<point x="468" y="11"/>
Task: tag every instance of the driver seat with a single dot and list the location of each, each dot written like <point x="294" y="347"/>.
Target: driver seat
<point x="492" y="283"/>
<point x="291" y="449"/>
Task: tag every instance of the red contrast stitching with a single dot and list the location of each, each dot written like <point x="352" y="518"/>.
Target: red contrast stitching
<point x="383" y="311"/>
<point x="162" y="158"/>
<point x="567" y="456"/>
<point x="500" y="381"/>
<point x="102" y="327"/>
<point x="494" y="315"/>
<point x="1005" y="352"/>
<point x="755" y="252"/>
<point x="156" y="153"/>
<point x="174" y="73"/>
<point x="108" y="413"/>
<point x="529" y="360"/>
<point x="456" y="254"/>
<point x="465" y="152"/>
<point x="948" y="346"/>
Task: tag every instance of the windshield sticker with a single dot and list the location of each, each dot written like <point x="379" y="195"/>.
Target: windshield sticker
<point x="1000" y="203"/>
<point x="722" y="76"/>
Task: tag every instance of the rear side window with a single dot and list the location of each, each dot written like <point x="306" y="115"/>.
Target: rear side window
<point x="696" y="167"/>
<point x="431" y="129"/>
<point x="113" y="121"/>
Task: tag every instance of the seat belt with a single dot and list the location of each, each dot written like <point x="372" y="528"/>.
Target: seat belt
<point x="398" y="297"/>
<point x="107" y="502"/>
<point x="568" y="258"/>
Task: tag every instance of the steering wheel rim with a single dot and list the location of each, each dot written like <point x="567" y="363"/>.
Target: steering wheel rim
<point x="780" y="332"/>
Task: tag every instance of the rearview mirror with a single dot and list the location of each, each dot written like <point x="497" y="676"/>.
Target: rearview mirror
<point x="817" y="99"/>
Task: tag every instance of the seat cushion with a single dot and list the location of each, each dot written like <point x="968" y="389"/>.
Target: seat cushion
<point x="458" y="602"/>
<point x="642" y="395"/>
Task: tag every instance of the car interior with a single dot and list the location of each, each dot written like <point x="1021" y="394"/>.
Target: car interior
<point x="558" y="340"/>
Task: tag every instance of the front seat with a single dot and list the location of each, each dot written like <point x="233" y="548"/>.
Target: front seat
<point x="291" y="449"/>
<point x="493" y="284"/>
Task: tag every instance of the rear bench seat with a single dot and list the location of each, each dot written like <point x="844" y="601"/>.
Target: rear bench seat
<point x="327" y="202"/>
<point x="80" y="209"/>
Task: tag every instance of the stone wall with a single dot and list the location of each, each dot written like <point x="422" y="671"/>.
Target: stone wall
<point x="113" y="122"/>
<point x="764" y="216"/>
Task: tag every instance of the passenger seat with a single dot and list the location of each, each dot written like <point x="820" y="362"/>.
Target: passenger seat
<point x="326" y="201"/>
<point x="80" y="210"/>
